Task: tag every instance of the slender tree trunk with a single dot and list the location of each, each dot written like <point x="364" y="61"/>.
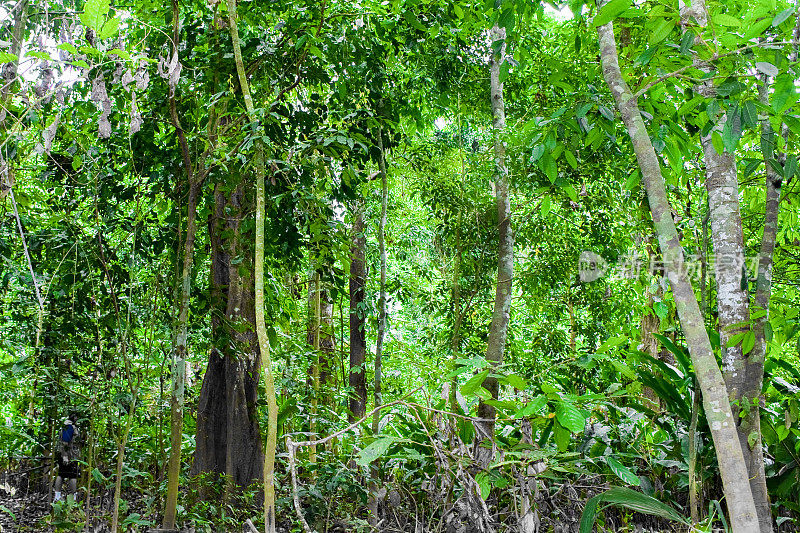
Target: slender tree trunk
<point x="261" y="328"/>
<point x="382" y="289"/>
<point x="495" y="349"/>
<point x="122" y="445"/>
<point x="313" y="341"/>
<point x="715" y="397"/>
<point x="182" y="325"/>
<point x="358" y="342"/>
<point x="458" y="318"/>
<point x="694" y="506"/>
<point x="372" y="503"/>
<point x="9" y="73"/>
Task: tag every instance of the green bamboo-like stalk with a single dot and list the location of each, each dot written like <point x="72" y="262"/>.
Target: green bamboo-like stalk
<point x="261" y="329"/>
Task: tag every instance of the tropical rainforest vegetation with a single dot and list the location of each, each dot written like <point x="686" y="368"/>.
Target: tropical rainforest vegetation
<point x="401" y="265"/>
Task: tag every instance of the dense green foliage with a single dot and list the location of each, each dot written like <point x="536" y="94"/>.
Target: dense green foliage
<point x="94" y="192"/>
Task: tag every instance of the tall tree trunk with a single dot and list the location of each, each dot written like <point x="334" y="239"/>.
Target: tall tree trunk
<point x="313" y="337"/>
<point x="715" y="397"/>
<point x="182" y="326"/>
<point x="211" y="438"/>
<point x="261" y="328"/>
<point x="372" y="503"/>
<point x="495" y="349"/>
<point x="458" y="318"/>
<point x="9" y="73"/>
<point x="382" y="289"/>
<point x="228" y="437"/>
<point x="358" y="341"/>
<point x="733" y="300"/>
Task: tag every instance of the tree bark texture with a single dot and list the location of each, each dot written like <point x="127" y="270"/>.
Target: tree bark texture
<point x="733" y="300"/>
<point x="228" y="438"/>
<point x="715" y="397"/>
<point x="495" y="349"/>
<point x="358" y="340"/>
<point x="263" y="348"/>
<point x="182" y="326"/>
<point x="9" y="73"/>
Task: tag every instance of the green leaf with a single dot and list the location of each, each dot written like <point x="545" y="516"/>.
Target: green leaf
<point x="570" y="157"/>
<point x="5" y="57"/>
<point x="610" y="11"/>
<point x="39" y="55"/>
<point x="110" y="29"/>
<point x="562" y="437"/>
<point x="121" y="53"/>
<point x="571" y="192"/>
<point x="783" y="15"/>
<point x="661" y="310"/>
<point x="790" y="167"/>
<point x="474" y="382"/>
<point x="482" y="479"/>
<point x="748" y="342"/>
<point x="784" y="94"/>
<point x="686" y="42"/>
<point x="570" y="417"/>
<point x="533" y="407"/>
<point x="412" y="19"/>
<point x="629" y="499"/>
<point x="622" y="472"/>
<point x="505" y="68"/>
<point x="750" y="114"/>
<point x="757" y="29"/>
<point x="723" y="19"/>
<point x="516" y="381"/>
<point x="548" y="166"/>
<point x="545" y="208"/>
<point x="582" y="110"/>
<point x="611" y="342"/>
<point x="506" y="20"/>
<point x="94" y="11"/>
<point x="736" y="339"/>
<point x="458" y="11"/>
<point x="375" y="449"/>
<point x="767" y="68"/>
<point x="661" y="32"/>
<point x="716" y="141"/>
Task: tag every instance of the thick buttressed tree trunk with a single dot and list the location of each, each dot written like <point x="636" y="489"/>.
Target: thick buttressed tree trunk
<point x="732" y="467"/>
<point x="228" y="438"/>
<point x="212" y="424"/>
<point x="498" y="330"/>
<point x="358" y="341"/>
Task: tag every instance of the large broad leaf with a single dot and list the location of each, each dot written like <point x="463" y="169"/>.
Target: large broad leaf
<point x="622" y="472"/>
<point x="94" y="12"/>
<point x="474" y="383"/>
<point x="533" y="407"/>
<point x="570" y="417"/>
<point x="610" y="11"/>
<point x="375" y="449"/>
<point x="629" y="499"/>
<point x="680" y="354"/>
